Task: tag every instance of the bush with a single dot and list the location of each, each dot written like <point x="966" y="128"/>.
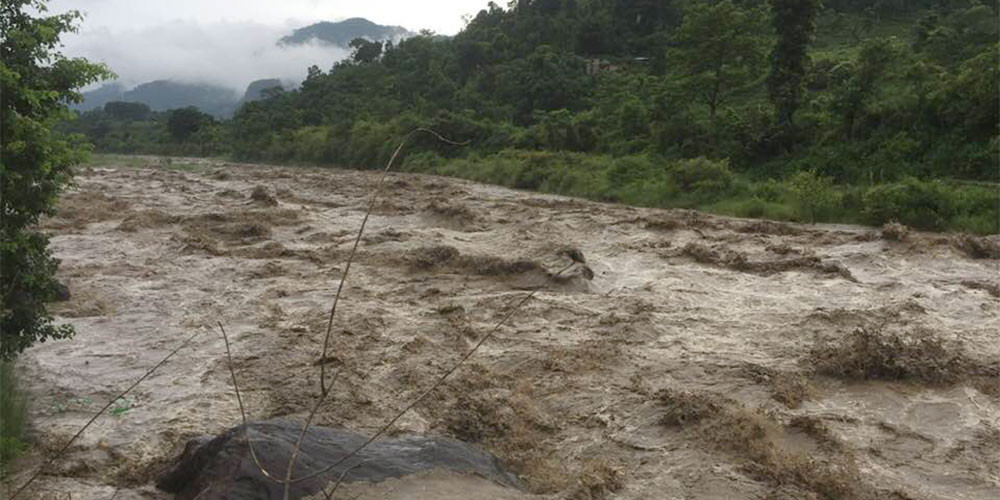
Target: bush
<point x="986" y="223"/>
<point x="638" y="180"/>
<point x="812" y="194"/>
<point x="919" y="204"/>
<point x="310" y="144"/>
<point x="35" y="163"/>
<point x="702" y="177"/>
<point x="754" y="208"/>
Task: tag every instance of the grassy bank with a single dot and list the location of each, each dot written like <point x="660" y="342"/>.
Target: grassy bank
<point x="698" y="183"/>
<point x="712" y="186"/>
<point x="13" y="416"/>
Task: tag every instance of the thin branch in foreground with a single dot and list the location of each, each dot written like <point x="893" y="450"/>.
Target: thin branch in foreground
<point x="100" y="412"/>
<point x="431" y="389"/>
<point x="302" y="435"/>
<point x="340" y="479"/>
<point x="324" y="385"/>
<point x="243" y="413"/>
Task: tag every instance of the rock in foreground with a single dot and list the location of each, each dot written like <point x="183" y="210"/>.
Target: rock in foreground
<point x="221" y="467"/>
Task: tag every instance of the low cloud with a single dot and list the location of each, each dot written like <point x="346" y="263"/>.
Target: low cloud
<point x="229" y="54"/>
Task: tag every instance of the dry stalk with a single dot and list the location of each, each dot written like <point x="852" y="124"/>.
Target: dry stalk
<point x="340" y="479"/>
<point x="436" y="384"/>
<point x="243" y="413"/>
<point x="100" y="412"/>
<point x="326" y="386"/>
<point x="357" y="240"/>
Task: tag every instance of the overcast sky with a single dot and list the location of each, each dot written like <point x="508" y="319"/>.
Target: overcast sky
<point x="232" y="42"/>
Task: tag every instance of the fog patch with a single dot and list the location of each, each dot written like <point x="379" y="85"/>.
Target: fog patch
<point x="228" y="54"/>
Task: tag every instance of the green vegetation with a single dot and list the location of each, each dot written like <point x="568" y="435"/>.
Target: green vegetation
<point x="13" y="416"/>
<point x="131" y="127"/>
<point x="795" y="23"/>
<point x="35" y="163"/>
<point x="712" y="185"/>
<point x="36" y="83"/>
<point x="851" y="111"/>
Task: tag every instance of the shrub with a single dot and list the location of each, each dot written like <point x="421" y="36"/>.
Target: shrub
<point x="35" y="163"/>
<point x="701" y="176"/>
<point x="754" y="208"/>
<point x="983" y="223"/>
<point x="889" y="157"/>
<point x="424" y="161"/>
<point x="638" y="180"/>
<point x="812" y="194"/>
<point x="310" y="144"/>
<point x="769" y="190"/>
<point x="919" y="204"/>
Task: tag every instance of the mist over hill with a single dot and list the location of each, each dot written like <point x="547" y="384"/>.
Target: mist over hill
<point x="100" y="96"/>
<point x="257" y="88"/>
<point x="221" y="76"/>
<point x="341" y="33"/>
<point x="161" y="95"/>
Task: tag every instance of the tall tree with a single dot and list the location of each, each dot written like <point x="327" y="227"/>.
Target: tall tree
<point x="36" y="84"/>
<point x="795" y="22"/>
<point x="852" y="95"/>
<point x="129" y="111"/>
<point x="719" y="49"/>
<point x="184" y="122"/>
<point x="365" y="51"/>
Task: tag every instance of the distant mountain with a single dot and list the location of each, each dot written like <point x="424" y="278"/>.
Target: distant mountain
<point x="256" y="89"/>
<point x="162" y="95"/>
<point x="100" y="96"/>
<point x="341" y="33"/>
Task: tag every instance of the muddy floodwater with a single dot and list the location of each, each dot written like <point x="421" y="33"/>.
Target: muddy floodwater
<point x="706" y="357"/>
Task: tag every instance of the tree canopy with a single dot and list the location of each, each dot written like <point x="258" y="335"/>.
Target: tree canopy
<point x="858" y="93"/>
<point x="37" y="84"/>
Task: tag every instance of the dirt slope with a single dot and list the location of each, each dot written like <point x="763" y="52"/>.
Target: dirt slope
<point x="707" y="358"/>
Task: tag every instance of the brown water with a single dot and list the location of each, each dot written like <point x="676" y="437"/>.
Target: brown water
<point x="569" y="393"/>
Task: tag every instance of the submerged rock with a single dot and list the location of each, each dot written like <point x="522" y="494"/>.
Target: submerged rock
<point x="221" y="468"/>
<point x="60" y="292"/>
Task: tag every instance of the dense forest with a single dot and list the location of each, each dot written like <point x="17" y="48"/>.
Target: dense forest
<point x="851" y="110"/>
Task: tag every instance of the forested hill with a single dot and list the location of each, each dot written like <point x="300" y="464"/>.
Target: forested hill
<point x="342" y="32"/>
<point x="852" y="111"/>
<point x="163" y="95"/>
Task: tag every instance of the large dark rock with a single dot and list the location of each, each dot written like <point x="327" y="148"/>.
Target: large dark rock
<point x="221" y="467"/>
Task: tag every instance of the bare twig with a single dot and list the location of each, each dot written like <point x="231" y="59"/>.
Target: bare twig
<point x="357" y="240"/>
<point x="302" y="435"/>
<point x="341" y="480"/>
<point x="100" y="412"/>
<point x="243" y="413"/>
<point x="431" y="389"/>
<point x="324" y="386"/>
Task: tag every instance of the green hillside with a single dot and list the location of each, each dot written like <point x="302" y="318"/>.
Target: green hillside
<point x="857" y="111"/>
<point x="341" y="33"/>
